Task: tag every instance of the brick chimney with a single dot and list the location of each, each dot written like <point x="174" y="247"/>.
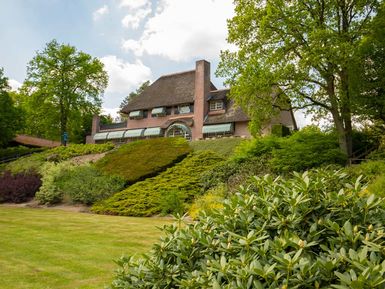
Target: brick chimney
<point x="95" y="124"/>
<point x="202" y="89"/>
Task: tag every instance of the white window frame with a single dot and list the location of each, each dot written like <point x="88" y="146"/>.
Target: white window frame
<point x="186" y="106"/>
<point x="216" y="105"/>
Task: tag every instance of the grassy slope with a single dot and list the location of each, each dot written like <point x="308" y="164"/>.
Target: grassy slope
<point x="141" y="159"/>
<point x="223" y="146"/>
<point x="55" y="249"/>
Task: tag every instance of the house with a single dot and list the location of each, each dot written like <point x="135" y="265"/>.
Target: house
<point x="183" y="104"/>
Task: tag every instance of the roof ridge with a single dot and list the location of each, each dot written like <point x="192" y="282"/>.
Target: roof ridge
<point x="177" y="73"/>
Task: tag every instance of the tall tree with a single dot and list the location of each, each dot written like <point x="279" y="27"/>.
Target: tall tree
<point x="368" y="72"/>
<point x="11" y="117"/>
<point x="301" y="48"/>
<point x="63" y="86"/>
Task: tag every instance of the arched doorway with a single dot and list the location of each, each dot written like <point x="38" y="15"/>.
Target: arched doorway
<point x="178" y="130"/>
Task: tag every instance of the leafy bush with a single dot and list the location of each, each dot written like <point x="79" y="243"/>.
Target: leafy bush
<point x="370" y="169"/>
<point x="76" y="184"/>
<point x="146" y="198"/>
<point x="234" y="172"/>
<point x="36" y="161"/>
<point x="85" y="184"/>
<point x="256" y="147"/>
<point x="145" y="158"/>
<point x="19" y="187"/>
<point x="211" y="200"/>
<point x="281" y="233"/>
<point x="223" y="146"/>
<point x="303" y="150"/>
<point x="50" y="192"/>
<point x="308" y="148"/>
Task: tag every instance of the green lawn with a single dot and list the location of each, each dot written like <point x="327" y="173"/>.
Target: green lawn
<point x="42" y="248"/>
<point x="224" y="146"/>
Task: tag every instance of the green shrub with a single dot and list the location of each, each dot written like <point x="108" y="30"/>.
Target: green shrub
<point x="377" y="186"/>
<point x="35" y="162"/>
<point x="308" y="148"/>
<point x="212" y="200"/>
<point x="146" y="198"/>
<point x="223" y="146"/>
<point x="234" y="172"/>
<point x="279" y="233"/>
<point x="256" y="147"/>
<point x="145" y="158"/>
<point x="280" y="130"/>
<point x="50" y="192"/>
<point x="76" y="184"/>
<point x="370" y="169"/>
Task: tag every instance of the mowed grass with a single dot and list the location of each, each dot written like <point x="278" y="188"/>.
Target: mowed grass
<point x="224" y="146"/>
<point x="43" y="248"/>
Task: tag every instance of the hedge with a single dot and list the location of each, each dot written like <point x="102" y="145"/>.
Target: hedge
<point x="176" y="185"/>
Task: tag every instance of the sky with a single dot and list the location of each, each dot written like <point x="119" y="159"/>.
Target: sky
<point x="137" y="40"/>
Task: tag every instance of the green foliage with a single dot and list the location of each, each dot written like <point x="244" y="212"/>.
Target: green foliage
<point x="280" y="130"/>
<point x="212" y="200"/>
<point x="301" y="51"/>
<point x="146" y="198"/>
<point x="76" y="184"/>
<point x="234" y="172"/>
<point x="370" y="169"/>
<point x="306" y="149"/>
<point x="141" y="159"/>
<point x="256" y="147"/>
<point x="35" y="161"/>
<point x="62" y="90"/>
<point x="49" y="192"/>
<point x="17" y="151"/>
<point x="313" y="230"/>
<point x="223" y="146"/>
<point x="11" y="117"/>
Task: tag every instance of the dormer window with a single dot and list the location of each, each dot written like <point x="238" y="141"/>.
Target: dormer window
<point x="136" y="114"/>
<point x="158" y="111"/>
<point x="183" y="109"/>
<point x="216" y="105"/>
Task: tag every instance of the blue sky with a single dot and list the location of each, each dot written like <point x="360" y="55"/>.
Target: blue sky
<point x="136" y="39"/>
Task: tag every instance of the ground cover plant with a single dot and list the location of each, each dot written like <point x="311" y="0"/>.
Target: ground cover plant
<point x="19" y="187"/>
<point x="223" y="146"/>
<point x="17" y="151"/>
<point x="76" y="184"/>
<point x="166" y="193"/>
<point x="35" y="161"/>
<point x="303" y="150"/>
<point x="45" y="248"/>
<point x="145" y="158"/>
<point x="312" y="230"/>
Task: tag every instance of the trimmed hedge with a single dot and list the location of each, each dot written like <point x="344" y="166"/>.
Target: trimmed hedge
<point x="144" y="158"/>
<point x="18" y="151"/>
<point x="313" y="230"/>
<point x="18" y="188"/>
<point x="176" y="185"/>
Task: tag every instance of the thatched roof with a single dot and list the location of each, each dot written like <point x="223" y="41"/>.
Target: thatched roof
<point x="168" y="90"/>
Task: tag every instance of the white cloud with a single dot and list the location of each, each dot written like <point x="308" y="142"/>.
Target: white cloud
<point x="114" y="112"/>
<point x="184" y="30"/>
<point x="14" y="84"/>
<point x="133" y="4"/>
<point x="100" y="12"/>
<point x="124" y="76"/>
<point x="134" y="19"/>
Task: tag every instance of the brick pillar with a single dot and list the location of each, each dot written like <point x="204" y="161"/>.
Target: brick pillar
<point x="95" y="124"/>
<point x="202" y="89"/>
